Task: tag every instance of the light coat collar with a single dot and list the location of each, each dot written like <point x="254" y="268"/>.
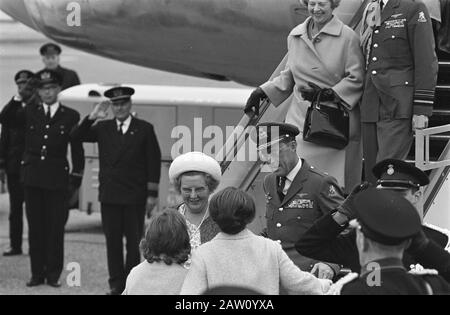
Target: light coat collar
<point x="333" y="28"/>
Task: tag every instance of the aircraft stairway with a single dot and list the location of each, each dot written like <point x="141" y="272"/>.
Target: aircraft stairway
<point x="434" y="145"/>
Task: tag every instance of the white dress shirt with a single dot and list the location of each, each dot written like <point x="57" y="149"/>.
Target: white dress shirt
<point x="126" y="124"/>
<point x="53" y="108"/>
<point x="291" y="176"/>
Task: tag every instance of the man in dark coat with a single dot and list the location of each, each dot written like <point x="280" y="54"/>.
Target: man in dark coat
<point x="296" y="194"/>
<point x="401" y="78"/>
<point x="130" y="163"/>
<point x="325" y="241"/>
<point x="12" y="146"/>
<point x="51" y="57"/>
<point x="46" y="176"/>
<point x="385" y="224"/>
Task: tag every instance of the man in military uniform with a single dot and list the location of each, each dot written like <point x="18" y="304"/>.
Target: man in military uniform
<point x="324" y="240"/>
<point x="50" y="57"/>
<point x="397" y="39"/>
<point x="296" y="194"/>
<point x="130" y="163"/>
<point x="46" y="176"/>
<point x="12" y="145"/>
<point x="385" y="224"/>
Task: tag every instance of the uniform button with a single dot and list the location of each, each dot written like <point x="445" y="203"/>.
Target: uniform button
<point x="47" y="126"/>
<point x="375" y="45"/>
<point x="299" y="217"/>
<point x="45" y="137"/>
<point x="42" y="158"/>
<point x="44" y="147"/>
<point x="22" y="162"/>
<point x="406" y="82"/>
<point x="377" y="31"/>
<point x="374" y="72"/>
<point x="393" y="36"/>
<point x="374" y="58"/>
<point x="280" y="209"/>
<point x="278" y="225"/>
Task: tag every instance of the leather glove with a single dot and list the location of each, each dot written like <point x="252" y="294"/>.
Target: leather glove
<point x="328" y="95"/>
<point x="418" y="242"/>
<point x="310" y="94"/>
<point x="347" y="208"/>
<point x="254" y="100"/>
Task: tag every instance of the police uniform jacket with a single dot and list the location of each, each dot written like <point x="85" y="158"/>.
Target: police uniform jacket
<point x="326" y="240"/>
<point x="12" y="143"/>
<point x="130" y="164"/>
<point x="311" y="195"/>
<point x="395" y="280"/>
<point x="44" y="163"/>
<point x="402" y="69"/>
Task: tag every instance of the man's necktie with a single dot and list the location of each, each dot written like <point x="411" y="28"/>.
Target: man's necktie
<point x="121" y="128"/>
<point x="48" y="115"/>
<point x="280" y="188"/>
<point x="371" y="20"/>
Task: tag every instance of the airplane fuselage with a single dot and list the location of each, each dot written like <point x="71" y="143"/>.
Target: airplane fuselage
<point x="239" y="40"/>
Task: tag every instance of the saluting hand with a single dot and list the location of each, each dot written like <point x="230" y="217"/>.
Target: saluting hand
<point x="100" y="110"/>
<point x="346" y="208"/>
<point x="419" y="122"/>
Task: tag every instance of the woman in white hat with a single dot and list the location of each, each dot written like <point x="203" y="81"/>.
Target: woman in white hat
<point x="196" y="176"/>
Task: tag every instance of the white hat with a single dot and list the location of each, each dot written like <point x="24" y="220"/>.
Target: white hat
<point x="194" y="162"/>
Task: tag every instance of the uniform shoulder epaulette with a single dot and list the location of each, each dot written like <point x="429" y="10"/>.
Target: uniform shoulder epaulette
<point x="318" y="172"/>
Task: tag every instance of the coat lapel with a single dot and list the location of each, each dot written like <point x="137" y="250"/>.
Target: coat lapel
<point x="57" y="115"/>
<point x="297" y="184"/>
<point x="128" y="139"/>
<point x="389" y="10"/>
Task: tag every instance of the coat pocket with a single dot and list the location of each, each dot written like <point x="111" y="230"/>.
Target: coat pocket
<point x="402" y="79"/>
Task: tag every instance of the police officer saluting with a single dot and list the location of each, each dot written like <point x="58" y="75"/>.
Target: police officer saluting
<point x="46" y="175"/>
<point x="130" y="166"/>
<point x="50" y="56"/>
<point x="296" y="194"/>
<point x="12" y="145"/>
<point x="385" y="225"/>
<point x="324" y="241"/>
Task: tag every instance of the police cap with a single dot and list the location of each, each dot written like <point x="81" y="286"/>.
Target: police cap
<point x="48" y="77"/>
<point x="386" y="217"/>
<point x="270" y="133"/>
<point x="23" y="76"/>
<point x="119" y="93"/>
<point x="398" y="174"/>
<point x="50" y="49"/>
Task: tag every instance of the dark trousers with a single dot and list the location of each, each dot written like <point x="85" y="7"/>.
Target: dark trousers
<point x="16" y="200"/>
<point x="386" y="139"/>
<point x="46" y="212"/>
<point x="119" y="221"/>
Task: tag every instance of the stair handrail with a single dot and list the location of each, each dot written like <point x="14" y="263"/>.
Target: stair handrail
<point x="423" y="148"/>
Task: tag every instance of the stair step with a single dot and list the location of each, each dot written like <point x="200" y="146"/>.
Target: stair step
<point x="443" y="87"/>
<point x="441" y="112"/>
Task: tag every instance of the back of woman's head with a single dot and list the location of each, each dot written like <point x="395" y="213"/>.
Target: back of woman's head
<point x="166" y="238"/>
<point x="232" y="209"/>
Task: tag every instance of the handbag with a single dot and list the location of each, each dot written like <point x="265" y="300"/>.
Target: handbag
<point x="325" y="125"/>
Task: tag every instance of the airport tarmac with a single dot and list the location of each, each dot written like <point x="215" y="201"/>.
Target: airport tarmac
<point x="84" y="240"/>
